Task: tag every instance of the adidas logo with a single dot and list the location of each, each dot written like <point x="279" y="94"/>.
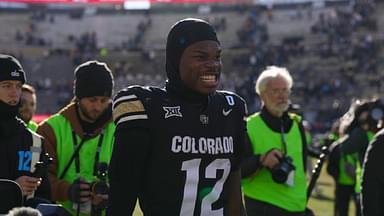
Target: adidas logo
<point x="15" y="73"/>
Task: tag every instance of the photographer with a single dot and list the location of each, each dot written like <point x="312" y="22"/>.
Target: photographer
<point x="28" y="106"/>
<point x="274" y="181"/>
<point x="358" y="126"/>
<point x="79" y="139"/>
<point x="21" y="149"/>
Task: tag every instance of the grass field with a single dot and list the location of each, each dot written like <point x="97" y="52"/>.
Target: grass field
<point x="320" y="206"/>
<point x="324" y="207"/>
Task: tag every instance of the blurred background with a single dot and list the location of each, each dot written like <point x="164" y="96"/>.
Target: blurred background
<point x="333" y="48"/>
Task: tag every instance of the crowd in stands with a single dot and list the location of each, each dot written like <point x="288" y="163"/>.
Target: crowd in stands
<point x="341" y="63"/>
<point x="328" y="59"/>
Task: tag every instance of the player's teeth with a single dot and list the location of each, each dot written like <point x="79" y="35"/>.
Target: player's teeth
<point x="208" y="77"/>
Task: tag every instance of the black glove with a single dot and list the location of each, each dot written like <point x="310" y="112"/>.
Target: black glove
<point x="79" y="191"/>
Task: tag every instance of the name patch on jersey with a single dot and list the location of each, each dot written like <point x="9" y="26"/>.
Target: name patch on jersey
<point x="172" y="111"/>
<point x="202" y="145"/>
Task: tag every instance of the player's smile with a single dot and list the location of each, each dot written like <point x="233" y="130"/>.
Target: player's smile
<point x="211" y="81"/>
<point x="200" y="66"/>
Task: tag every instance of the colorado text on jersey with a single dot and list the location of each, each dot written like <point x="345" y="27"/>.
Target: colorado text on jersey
<point x="202" y="145"/>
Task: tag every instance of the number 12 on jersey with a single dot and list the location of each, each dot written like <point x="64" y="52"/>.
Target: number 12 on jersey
<point x="191" y="167"/>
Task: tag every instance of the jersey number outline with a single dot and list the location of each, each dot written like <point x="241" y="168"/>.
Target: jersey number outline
<point x="191" y="167"/>
<point x="25" y="158"/>
<point x="230" y="100"/>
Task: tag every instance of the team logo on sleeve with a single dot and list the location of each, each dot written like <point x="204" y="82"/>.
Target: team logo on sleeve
<point x="172" y="112"/>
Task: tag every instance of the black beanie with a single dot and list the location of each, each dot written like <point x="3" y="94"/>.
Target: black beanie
<point x="93" y="78"/>
<point x="182" y="34"/>
<point x="11" y="69"/>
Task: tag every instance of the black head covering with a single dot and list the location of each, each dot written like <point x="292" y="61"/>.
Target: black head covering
<point x="183" y="34"/>
<point x="93" y="78"/>
<point x="11" y="69"/>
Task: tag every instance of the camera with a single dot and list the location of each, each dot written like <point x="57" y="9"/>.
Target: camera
<point x="100" y="186"/>
<point x="281" y="171"/>
<point x="41" y="166"/>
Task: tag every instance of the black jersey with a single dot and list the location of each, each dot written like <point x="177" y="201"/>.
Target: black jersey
<point x="192" y="149"/>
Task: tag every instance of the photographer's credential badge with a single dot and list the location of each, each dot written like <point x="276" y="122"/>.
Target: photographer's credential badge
<point x="291" y="179"/>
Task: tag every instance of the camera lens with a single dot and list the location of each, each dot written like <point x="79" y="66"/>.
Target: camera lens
<point x="99" y="187"/>
<point x="279" y="176"/>
<point x="281" y="171"/>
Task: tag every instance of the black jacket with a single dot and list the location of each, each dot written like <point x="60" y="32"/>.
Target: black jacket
<point x="16" y="154"/>
<point x="373" y="178"/>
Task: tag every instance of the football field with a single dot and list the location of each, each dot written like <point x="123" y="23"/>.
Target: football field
<point x="323" y="206"/>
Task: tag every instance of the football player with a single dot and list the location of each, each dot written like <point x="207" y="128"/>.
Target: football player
<point x="178" y="148"/>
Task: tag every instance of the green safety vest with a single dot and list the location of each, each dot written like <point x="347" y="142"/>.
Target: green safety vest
<point x="308" y="137"/>
<point x="359" y="168"/>
<point x="32" y="125"/>
<point x="65" y="148"/>
<point x="261" y="186"/>
<point x="347" y="160"/>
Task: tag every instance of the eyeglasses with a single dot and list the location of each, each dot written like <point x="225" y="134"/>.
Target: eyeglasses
<point x="283" y="91"/>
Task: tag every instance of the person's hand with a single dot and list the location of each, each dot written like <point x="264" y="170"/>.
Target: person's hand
<point x="28" y="184"/>
<point x="80" y="191"/>
<point x="271" y="158"/>
<point x="99" y="199"/>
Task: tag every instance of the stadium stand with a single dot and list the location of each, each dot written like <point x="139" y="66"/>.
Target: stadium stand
<point x="334" y="53"/>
